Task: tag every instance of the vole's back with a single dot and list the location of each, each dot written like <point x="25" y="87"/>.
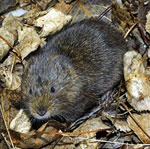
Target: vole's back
<point x="95" y="49"/>
<point x="77" y="65"/>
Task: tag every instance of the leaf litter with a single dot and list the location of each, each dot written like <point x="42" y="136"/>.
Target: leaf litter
<point x="38" y="23"/>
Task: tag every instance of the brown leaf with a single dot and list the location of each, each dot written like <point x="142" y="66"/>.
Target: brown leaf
<point x="137" y="81"/>
<point x="143" y="120"/>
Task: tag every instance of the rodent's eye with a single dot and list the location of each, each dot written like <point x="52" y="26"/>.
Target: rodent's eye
<point x="30" y="91"/>
<point x="52" y="90"/>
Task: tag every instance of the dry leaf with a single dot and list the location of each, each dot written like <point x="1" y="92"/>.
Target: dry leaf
<point x="137" y="81"/>
<point x="53" y="21"/>
<point x="11" y="24"/>
<point x="120" y="124"/>
<point x="30" y="16"/>
<point x="143" y="120"/>
<point x="89" y="125"/>
<point x="21" y="123"/>
<point x="31" y="139"/>
<point x="148" y="22"/>
<point x="84" y="140"/>
<point x="28" y="39"/>
<point x="9" y="32"/>
<point x="4" y="48"/>
<point x="11" y="81"/>
<point x="23" y="3"/>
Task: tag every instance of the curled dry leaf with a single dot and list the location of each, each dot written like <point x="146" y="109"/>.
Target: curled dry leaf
<point x="24" y="138"/>
<point x="120" y="124"/>
<point x="91" y="124"/>
<point x="28" y="39"/>
<point x="9" y="32"/>
<point x="21" y="123"/>
<point x="87" y="140"/>
<point x="30" y="16"/>
<point x="8" y="63"/>
<point x="148" y="22"/>
<point x="11" y="24"/>
<point x="143" y="120"/>
<point x="29" y="139"/>
<point x="137" y="81"/>
<point x="11" y="81"/>
<point x="53" y="21"/>
<point x="32" y="140"/>
<point x="4" y="48"/>
<point x="23" y="3"/>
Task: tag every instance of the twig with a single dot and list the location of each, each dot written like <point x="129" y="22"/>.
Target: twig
<point x="13" y="54"/>
<point x="11" y="46"/>
<point x="135" y="120"/>
<point x="118" y="103"/>
<point x="71" y="133"/>
<point x="85" y="10"/>
<point x="104" y="12"/>
<point x="6" y="125"/>
<point x="131" y="28"/>
<point x="112" y="142"/>
<point x="13" y="63"/>
<point x="144" y="34"/>
<point x="5" y="140"/>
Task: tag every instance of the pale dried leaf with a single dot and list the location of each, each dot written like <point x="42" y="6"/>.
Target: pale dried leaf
<point x="9" y="32"/>
<point x="89" y="125"/>
<point x="29" y="41"/>
<point x="11" y="81"/>
<point x="23" y="3"/>
<point x="148" y="22"/>
<point x="21" y="123"/>
<point x="137" y="81"/>
<point x="84" y="139"/>
<point x="53" y="21"/>
<point x="143" y="120"/>
<point x="4" y="48"/>
<point x="31" y="139"/>
<point x="120" y="124"/>
<point x="11" y="24"/>
<point x="31" y="15"/>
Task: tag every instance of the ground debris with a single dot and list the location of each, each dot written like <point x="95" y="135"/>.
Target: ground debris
<point x="121" y="123"/>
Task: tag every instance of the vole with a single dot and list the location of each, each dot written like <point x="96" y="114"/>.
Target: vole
<point x="78" y="65"/>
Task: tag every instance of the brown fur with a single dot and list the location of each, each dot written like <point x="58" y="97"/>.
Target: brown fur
<point x="81" y="62"/>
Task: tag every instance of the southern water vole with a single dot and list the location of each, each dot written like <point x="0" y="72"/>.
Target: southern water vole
<point x="78" y="64"/>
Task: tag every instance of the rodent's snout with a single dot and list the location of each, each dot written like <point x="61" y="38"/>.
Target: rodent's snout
<point x="41" y="111"/>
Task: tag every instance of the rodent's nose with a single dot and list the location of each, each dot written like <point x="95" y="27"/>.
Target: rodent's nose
<point x="41" y="111"/>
